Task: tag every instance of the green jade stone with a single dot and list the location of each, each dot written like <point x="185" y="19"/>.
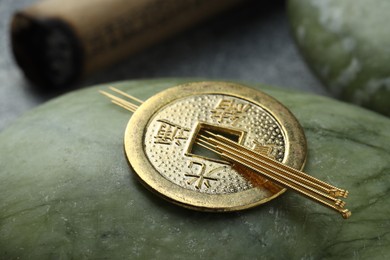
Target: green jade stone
<point x="347" y="44"/>
<point x="67" y="191"/>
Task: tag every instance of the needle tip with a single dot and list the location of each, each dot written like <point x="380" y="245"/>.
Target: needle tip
<point x="346" y="213"/>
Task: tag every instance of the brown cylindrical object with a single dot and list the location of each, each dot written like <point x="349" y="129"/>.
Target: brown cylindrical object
<point x="56" y="42"/>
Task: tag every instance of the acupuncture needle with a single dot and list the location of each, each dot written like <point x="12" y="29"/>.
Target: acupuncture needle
<point x="333" y="191"/>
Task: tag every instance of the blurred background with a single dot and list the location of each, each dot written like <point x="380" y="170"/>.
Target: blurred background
<point x="251" y="43"/>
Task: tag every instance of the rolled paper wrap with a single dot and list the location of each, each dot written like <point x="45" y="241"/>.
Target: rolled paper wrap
<point x="67" y="191"/>
<point x="56" y="42"/>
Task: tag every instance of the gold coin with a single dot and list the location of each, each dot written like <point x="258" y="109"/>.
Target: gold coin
<point x="160" y="144"/>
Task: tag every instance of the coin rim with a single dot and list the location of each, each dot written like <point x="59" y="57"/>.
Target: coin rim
<point x="295" y="146"/>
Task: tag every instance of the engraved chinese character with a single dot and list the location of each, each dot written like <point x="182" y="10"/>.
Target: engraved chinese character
<point x="270" y="150"/>
<point x="201" y="177"/>
<point x="229" y="109"/>
<point x="169" y="133"/>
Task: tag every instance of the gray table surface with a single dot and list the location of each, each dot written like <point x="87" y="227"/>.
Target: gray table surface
<point x="251" y="43"/>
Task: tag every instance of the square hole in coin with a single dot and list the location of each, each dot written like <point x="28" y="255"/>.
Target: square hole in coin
<point x="196" y="150"/>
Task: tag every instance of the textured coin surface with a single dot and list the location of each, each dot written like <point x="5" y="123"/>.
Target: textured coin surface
<point x="160" y="144"/>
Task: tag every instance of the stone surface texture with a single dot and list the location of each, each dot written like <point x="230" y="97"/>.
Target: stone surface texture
<point x="67" y="192"/>
<point x="346" y="43"/>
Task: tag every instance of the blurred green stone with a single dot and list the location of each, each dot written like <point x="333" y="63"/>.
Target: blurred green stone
<point x="67" y="192"/>
<point x="347" y="44"/>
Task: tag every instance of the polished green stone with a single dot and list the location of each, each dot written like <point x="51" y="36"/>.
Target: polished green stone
<point x="346" y="43"/>
<point x="67" y="192"/>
